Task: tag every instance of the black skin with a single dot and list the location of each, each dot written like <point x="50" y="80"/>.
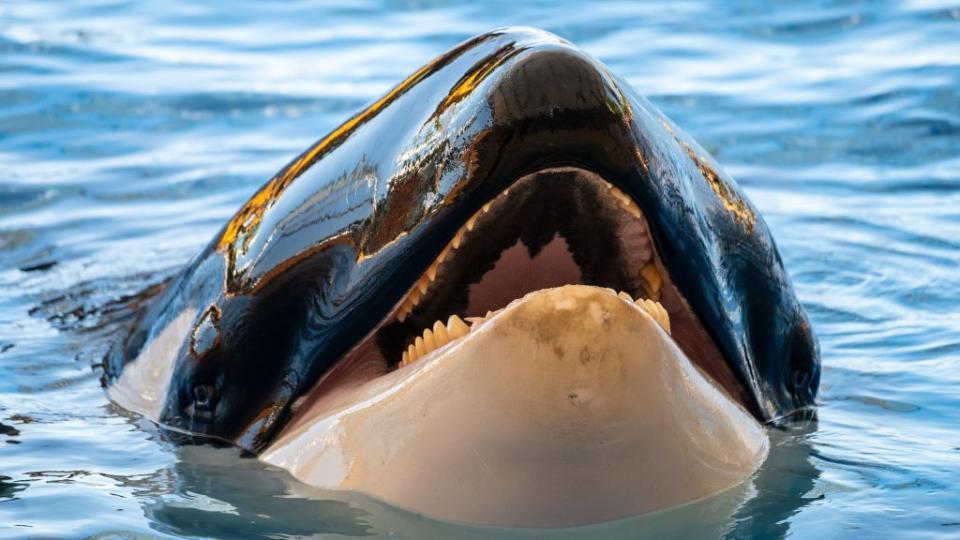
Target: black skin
<point x="314" y="261"/>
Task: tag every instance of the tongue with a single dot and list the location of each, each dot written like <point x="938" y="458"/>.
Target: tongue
<point x="570" y="406"/>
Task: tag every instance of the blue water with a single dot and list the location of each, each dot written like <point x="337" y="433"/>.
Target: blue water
<point x="130" y="132"/>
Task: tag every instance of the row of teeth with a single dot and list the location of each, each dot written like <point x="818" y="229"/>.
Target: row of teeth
<point x="422" y="285"/>
<point x="441" y="334"/>
<point x="434" y="338"/>
<point x="649" y="274"/>
<point x="651" y="281"/>
<point x="654" y="309"/>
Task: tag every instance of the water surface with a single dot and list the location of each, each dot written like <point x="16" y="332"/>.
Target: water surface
<point x="130" y="132"/>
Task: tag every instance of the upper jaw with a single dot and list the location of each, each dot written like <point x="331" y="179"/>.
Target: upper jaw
<point x="566" y="390"/>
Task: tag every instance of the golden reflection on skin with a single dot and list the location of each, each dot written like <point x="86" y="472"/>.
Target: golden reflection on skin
<point x="464" y="87"/>
<point x="642" y="159"/>
<point x="621" y="107"/>
<point x="743" y="214"/>
<point x="244" y="224"/>
<point x="242" y="228"/>
<point x="480" y="71"/>
<point x="734" y="203"/>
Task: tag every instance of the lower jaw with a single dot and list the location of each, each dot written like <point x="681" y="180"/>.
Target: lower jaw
<point x="570" y="406"/>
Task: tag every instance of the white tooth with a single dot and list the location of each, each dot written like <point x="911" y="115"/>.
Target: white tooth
<point x="422" y="285"/>
<point x="652" y="280"/>
<point x="414" y="298"/>
<point x="403" y="311"/>
<point x="656" y="312"/>
<point x="432" y="271"/>
<point x="457" y="239"/>
<point x="626" y="202"/>
<point x="444" y="253"/>
<point x="407" y="310"/>
<point x="653" y="311"/>
<point x="643" y="304"/>
<point x="433" y="339"/>
<point x="456" y="328"/>
<point x="472" y="222"/>
<point x="486" y="208"/>
<point x="429" y="344"/>
<point x="440" y="334"/>
<point x="666" y="318"/>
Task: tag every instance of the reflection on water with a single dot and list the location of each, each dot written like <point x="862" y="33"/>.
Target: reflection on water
<point x="783" y="486"/>
<point x="129" y="133"/>
<point x="216" y="493"/>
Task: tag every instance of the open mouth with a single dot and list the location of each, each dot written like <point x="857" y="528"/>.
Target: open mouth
<point x="554" y="227"/>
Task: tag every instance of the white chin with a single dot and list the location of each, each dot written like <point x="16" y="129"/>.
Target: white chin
<point x="570" y="406"/>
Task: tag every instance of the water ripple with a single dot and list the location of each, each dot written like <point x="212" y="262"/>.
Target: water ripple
<point x="130" y="131"/>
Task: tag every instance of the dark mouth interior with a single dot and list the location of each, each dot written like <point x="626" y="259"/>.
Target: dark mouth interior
<point x="562" y="226"/>
<point x="553" y="228"/>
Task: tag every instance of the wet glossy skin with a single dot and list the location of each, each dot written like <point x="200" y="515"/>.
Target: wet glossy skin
<point x="325" y="250"/>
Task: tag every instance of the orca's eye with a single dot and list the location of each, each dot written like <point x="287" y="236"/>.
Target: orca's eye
<point x="203" y="402"/>
<point x="202" y="395"/>
<point x="804" y="366"/>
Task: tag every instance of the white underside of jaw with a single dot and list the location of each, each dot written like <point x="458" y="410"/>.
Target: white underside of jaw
<point x="569" y="406"/>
